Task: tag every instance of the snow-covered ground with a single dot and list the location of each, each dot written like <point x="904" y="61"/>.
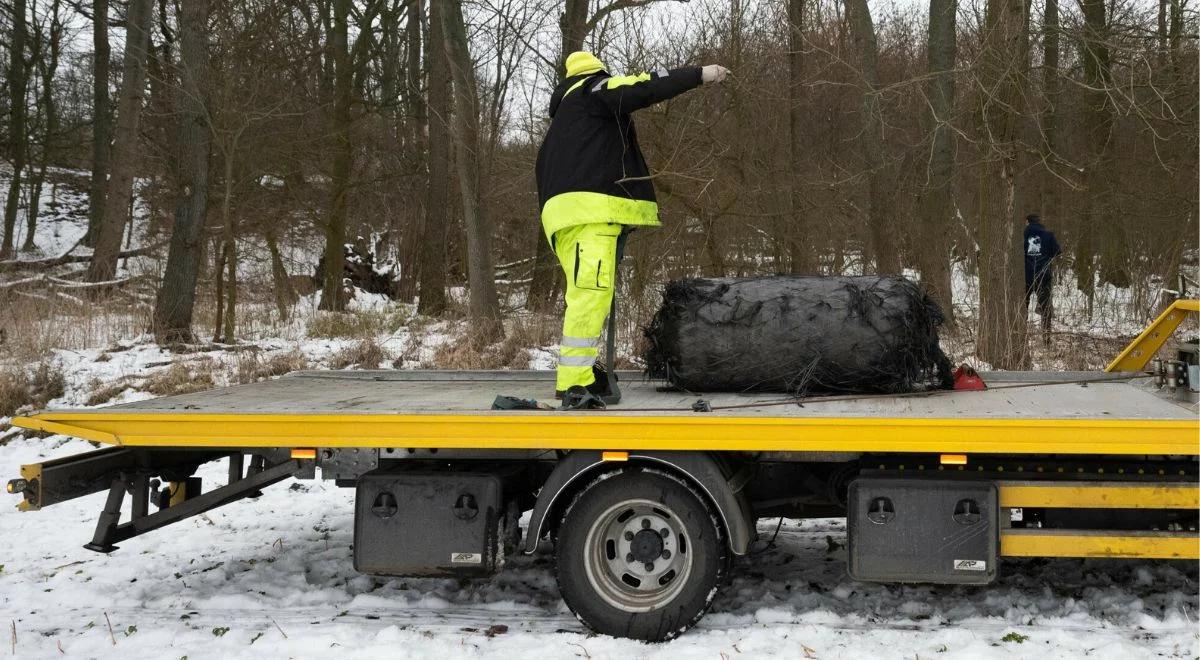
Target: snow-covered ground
<point x="273" y="577"/>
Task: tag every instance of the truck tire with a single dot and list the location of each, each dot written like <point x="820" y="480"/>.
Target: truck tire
<point x="640" y="555"/>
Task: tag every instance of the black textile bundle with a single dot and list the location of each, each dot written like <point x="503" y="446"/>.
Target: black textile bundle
<point x="799" y="335"/>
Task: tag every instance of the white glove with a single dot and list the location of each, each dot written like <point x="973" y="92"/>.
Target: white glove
<point x="713" y="73"/>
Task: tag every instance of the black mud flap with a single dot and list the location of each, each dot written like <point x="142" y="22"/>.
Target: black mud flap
<point x="918" y="530"/>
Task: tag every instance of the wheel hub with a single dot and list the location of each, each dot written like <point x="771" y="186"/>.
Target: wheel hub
<point x="637" y="555"/>
<point x="647" y="546"/>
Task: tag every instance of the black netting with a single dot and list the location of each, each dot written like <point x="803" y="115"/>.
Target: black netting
<point x="798" y="335"/>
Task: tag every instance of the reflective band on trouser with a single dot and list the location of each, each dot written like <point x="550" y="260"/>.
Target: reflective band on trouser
<point x="576" y="360"/>
<point x="587" y="308"/>
<point x="580" y="342"/>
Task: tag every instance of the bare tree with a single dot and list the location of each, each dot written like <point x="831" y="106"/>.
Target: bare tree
<point x="100" y="119"/>
<point x="799" y="245"/>
<point x="432" y="266"/>
<point x="879" y="227"/>
<point x="119" y="195"/>
<point x="172" y="320"/>
<point x="1002" y="75"/>
<point x="18" y="82"/>
<point x="48" y="51"/>
<point x="484" y="303"/>
<point x="934" y="258"/>
<point x="413" y="237"/>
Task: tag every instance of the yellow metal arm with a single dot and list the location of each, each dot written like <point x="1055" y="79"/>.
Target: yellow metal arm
<point x="1140" y="350"/>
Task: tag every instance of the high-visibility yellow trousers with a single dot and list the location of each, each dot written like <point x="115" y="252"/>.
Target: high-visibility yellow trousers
<point x="588" y="254"/>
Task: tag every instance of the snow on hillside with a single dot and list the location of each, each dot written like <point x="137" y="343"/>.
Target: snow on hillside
<point x="273" y="577"/>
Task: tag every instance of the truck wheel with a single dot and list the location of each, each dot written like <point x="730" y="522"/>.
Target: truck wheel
<point x="639" y="554"/>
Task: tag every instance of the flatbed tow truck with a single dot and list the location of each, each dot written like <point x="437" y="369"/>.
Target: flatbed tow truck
<point x="645" y="504"/>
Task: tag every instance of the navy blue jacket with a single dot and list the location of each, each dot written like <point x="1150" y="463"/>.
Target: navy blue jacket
<point x="1040" y="248"/>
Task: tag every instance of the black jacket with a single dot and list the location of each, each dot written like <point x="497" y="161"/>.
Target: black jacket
<point x="1040" y="249"/>
<point x="589" y="167"/>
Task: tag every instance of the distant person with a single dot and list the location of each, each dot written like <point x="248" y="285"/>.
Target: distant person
<point x="593" y="186"/>
<point x="1040" y="250"/>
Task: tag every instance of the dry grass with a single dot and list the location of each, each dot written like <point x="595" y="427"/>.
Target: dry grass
<point x="511" y="353"/>
<point x="102" y="393"/>
<point x="355" y="325"/>
<point x="366" y="354"/>
<point x="252" y="368"/>
<point x="31" y="387"/>
<point x="181" y="378"/>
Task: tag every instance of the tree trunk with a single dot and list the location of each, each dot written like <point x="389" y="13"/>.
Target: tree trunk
<point x="229" y="248"/>
<point x="219" y="288"/>
<point x="411" y="238"/>
<point x="285" y="295"/>
<point x="125" y="143"/>
<point x="18" y="81"/>
<point x="801" y="258"/>
<point x="332" y="297"/>
<point x="1052" y="85"/>
<point x="100" y="119"/>
<point x="545" y="285"/>
<point x="48" y="60"/>
<point x="484" y="304"/>
<point x="1003" y="65"/>
<point x="935" y="256"/>
<point x="172" y="320"/>
<point x="1097" y="74"/>
<point x="433" y="267"/>
<point x="880" y="228"/>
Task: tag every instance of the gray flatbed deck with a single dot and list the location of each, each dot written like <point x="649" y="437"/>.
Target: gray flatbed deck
<point x="1020" y="413"/>
<point x="442" y="392"/>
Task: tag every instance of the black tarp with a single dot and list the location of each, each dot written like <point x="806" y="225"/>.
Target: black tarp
<point x="798" y="335"/>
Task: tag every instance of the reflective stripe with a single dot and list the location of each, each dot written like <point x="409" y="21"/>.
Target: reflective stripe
<point x="580" y="342"/>
<point x="623" y="81"/>
<point x="573" y="88"/>
<point x="577" y="361"/>
<point x="597" y="86"/>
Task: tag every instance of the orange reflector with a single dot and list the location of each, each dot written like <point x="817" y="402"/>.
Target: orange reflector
<point x="954" y="459"/>
<point x="304" y="453"/>
<point x="614" y="456"/>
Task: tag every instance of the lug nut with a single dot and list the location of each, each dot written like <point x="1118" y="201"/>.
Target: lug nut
<point x="629" y="557"/>
<point x="645" y="523"/>
<point x="649" y="567"/>
<point x="666" y="554"/>
<point x="628" y="536"/>
<point x="664" y="532"/>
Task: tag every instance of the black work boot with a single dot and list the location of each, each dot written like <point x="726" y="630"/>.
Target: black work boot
<point x="598" y="387"/>
<point x="577" y="397"/>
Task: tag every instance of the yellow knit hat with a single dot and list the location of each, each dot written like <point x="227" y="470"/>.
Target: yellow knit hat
<point x="581" y="62"/>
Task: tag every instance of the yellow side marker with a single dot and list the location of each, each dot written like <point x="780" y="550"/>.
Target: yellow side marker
<point x="614" y="456"/>
<point x="954" y="459"/>
<point x="304" y="453"/>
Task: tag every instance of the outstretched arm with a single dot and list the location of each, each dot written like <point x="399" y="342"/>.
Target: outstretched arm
<point x="628" y="93"/>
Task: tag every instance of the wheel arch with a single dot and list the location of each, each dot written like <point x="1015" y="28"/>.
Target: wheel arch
<point x="714" y="478"/>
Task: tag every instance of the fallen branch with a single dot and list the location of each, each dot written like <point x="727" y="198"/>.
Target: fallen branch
<point x="68" y="258"/>
<point x="50" y="282"/>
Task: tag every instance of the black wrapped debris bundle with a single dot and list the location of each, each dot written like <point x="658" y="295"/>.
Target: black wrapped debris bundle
<point x="799" y="335"/>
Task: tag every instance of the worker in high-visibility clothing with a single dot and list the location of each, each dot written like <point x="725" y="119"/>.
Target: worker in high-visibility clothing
<point x="593" y="184"/>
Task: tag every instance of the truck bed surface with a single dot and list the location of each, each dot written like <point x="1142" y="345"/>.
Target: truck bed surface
<point x="1021" y="412"/>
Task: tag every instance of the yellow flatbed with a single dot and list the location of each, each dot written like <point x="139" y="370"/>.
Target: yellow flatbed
<point x="1020" y="413"/>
